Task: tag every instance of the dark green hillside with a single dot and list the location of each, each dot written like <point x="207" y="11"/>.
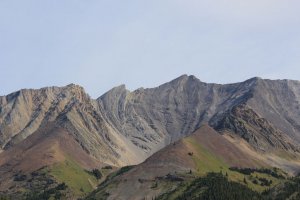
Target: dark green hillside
<point x="214" y="186"/>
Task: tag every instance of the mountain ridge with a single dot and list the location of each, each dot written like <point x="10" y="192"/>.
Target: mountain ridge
<point x="123" y="127"/>
<point x="115" y="101"/>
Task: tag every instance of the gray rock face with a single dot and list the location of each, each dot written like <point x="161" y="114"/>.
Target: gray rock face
<point x="123" y="127"/>
<point x="257" y="131"/>
<point x="279" y="102"/>
<point x="26" y="111"/>
<point x="22" y="112"/>
<point x="152" y="118"/>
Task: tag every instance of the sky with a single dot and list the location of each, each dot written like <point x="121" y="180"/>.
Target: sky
<point x="100" y="44"/>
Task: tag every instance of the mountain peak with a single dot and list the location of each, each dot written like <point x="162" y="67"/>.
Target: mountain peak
<point x="184" y="78"/>
<point x="114" y="92"/>
<point x="73" y="86"/>
<point x="125" y="128"/>
<point x="254" y="79"/>
<point x="118" y="89"/>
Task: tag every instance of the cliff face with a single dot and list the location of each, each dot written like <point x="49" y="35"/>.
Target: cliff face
<point x="178" y="108"/>
<point x="152" y="118"/>
<point x="23" y="112"/>
<point x="257" y="131"/>
<point x="27" y="111"/>
<point x="123" y="127"/>
<point x="279" y="102"/>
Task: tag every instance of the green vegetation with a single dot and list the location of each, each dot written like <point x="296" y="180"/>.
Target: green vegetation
<point x="254" y="184"/>
<point x="79" y="180"/>
<point x="205" y="161"/>
<point x="20" y="177"/>
<point x="52" y="193"/>
<point x="211" y="179"/>
<point x="181" y="186"/>
<point x="123" y="170"/>
<point x="107" y="167"/>
<point x="97" y="173"/>
<point x="247" y="171"/>
<point x="256" y="179"/>
<point x="101" y="193"/>
<point x="4" y="197"/>
<point x="237" y="183"/>
<point x="214" y="186"/>
<point x="289" y="190"/>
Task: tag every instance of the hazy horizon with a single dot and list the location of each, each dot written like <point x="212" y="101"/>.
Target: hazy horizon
<point x="103" y="44"/>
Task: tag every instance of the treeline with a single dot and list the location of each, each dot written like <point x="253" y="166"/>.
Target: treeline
<point x="56" y="193"/>
<point x="290" y="190"/>
<point x="249" y="171"/>
<point x="215" y="186"/>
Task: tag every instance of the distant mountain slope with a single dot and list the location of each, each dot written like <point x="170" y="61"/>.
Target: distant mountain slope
<point x="125" y="128"/>
<point x="170" y="111"/>
<point x="45" y="148"/>
<point x="257" y="131"/>
<point x="278" y="101"/>
<point x="130" y="126"/>
<point x="196" y="155"/>
<point x="173" y="110"/>
<point x="27" y="111"/>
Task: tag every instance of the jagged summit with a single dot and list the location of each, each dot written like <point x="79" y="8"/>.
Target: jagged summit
<point x="179" y="80"/>
<point x="253" y="80"/>
<point x="124" y="128"/>
<point x="135" y="113"/>
<point x="115" y="91"/>
<point x="183" y="79"/>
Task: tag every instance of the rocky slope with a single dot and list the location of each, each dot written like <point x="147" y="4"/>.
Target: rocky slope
<point x="257" y="131"/>
<point x="124" y="128"/>
<point x="27" y="111"/>
<point x="152" y="118"/>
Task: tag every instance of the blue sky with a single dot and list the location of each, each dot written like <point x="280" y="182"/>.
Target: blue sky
<point x="100" y="44"/>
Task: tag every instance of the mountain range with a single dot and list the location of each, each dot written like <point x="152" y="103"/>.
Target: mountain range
<point x="147" y="142"/>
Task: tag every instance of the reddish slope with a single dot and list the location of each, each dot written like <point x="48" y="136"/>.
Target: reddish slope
<point x="233" y="155"/>
<point x="176" y="157"/>
<point x="45" y="147"/>
<point x="210" y="152"/>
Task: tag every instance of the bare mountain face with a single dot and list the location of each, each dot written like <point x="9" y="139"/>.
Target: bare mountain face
<point x="56" y="126"/>
<point x="123" y="127"/>
<point x="27" y="111"/>
<point x="171" y="111"/>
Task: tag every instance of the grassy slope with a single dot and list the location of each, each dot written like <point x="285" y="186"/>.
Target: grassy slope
<point x="101" y="193"/>
<point x="76" y="178"/>
<point x="202" y="153"/>
<point x="206" y="161"/>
